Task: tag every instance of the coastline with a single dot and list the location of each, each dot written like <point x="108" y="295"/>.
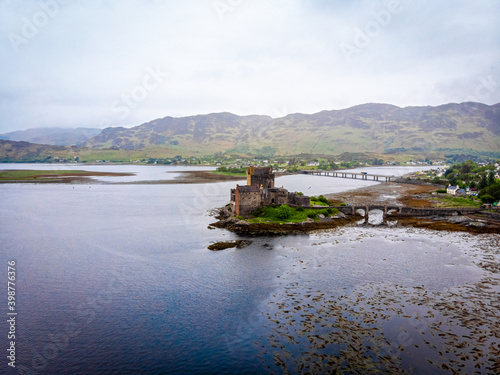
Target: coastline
<point x="386" y="193"/>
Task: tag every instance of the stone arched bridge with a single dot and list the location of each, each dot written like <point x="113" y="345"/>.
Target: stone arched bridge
<point x="395" y="211"/>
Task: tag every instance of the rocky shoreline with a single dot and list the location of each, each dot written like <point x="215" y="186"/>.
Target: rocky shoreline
<point x="262" y="229"/>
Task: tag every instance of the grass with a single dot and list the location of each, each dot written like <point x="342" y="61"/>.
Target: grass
<point x="450" y="202"/>
<point x="32" y="175"/>
<point x="296" y="215"/>
<point x="230" y="174"/>
<point x="320" y="201"/>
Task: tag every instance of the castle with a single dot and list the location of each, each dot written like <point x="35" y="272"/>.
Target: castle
<point x="260" y="191"/>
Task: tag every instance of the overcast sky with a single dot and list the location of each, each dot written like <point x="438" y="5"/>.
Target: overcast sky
<point x="98" y="63"/>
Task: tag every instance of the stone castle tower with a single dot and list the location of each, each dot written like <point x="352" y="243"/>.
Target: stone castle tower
<point x="260" y="191"/>
<point x="262" y="177"/>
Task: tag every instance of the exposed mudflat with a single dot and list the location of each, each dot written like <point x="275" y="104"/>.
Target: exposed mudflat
<point x="66" y="178"/>
<point x="389" y="193"/>
<point x="189" y="177"/>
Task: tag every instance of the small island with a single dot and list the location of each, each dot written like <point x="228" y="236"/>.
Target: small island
<point x="259" y="207"/>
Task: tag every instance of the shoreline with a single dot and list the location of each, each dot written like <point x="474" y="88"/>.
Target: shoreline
<point x="385" y="193"/>
<point x="85" y="177"/>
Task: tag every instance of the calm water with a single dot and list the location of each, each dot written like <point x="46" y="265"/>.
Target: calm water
<point x="117" y="279"/>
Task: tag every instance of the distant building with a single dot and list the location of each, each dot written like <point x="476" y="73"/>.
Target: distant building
<point x="260" y="191"/>
<point x="452" y="190"/>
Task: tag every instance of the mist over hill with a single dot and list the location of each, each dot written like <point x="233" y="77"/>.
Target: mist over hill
<point x="52" y="136"/>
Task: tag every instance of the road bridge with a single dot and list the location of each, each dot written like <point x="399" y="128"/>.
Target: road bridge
<point x="353" y="175"/>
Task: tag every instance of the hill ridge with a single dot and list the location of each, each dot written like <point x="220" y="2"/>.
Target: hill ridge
<point x="372" y="127"/>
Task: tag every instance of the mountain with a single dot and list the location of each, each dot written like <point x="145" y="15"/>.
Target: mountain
<point x="379" y="128"/>
<point x="13" y="151"/>
<point x="210" y="133"/>
<point x="52" y="136"/>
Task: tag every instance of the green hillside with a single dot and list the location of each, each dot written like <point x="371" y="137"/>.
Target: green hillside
<point x="370" y="129"/>
<point x="378" y="128"/>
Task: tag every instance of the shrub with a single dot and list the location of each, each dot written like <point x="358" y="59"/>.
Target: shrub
<point x="486" y="198"/>
<point x="284" y="212"/>
<point x="312" y="215"/>
<point x="343" y="204"/>
<point x="261" y="211"/>
<point x="441" y="191"/>
<point x="300" y="209"/>
<point x="323" y="199"/>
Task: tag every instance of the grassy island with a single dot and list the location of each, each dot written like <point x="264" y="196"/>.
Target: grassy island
<point x="228" y="171"/>
<point x="26" y="175"/>
<point x="34" y="174"/>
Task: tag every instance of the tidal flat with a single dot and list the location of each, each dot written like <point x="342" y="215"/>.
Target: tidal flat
<point x="395" y="306"/>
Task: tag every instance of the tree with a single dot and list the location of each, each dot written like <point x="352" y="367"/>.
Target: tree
<point x="466" y="167"/>
<point x="490" y="193"/>
<point x="483" y="182"/>
<point x="486" y="198"/>
<point x="449" y="171"/>
<point x="453" y="180"/>
<point x="491" y="178"/>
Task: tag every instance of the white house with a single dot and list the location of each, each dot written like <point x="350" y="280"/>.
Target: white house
<point x="452" y="190"/>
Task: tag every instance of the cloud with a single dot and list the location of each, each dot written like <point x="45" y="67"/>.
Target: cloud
<point x="80" y="60"/>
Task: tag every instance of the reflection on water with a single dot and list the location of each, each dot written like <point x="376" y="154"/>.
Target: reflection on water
<point x="117" y="279"/>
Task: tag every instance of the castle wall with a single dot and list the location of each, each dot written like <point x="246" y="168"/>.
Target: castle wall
<point x="246" y="202"/>
<point x="298" y="200"/>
